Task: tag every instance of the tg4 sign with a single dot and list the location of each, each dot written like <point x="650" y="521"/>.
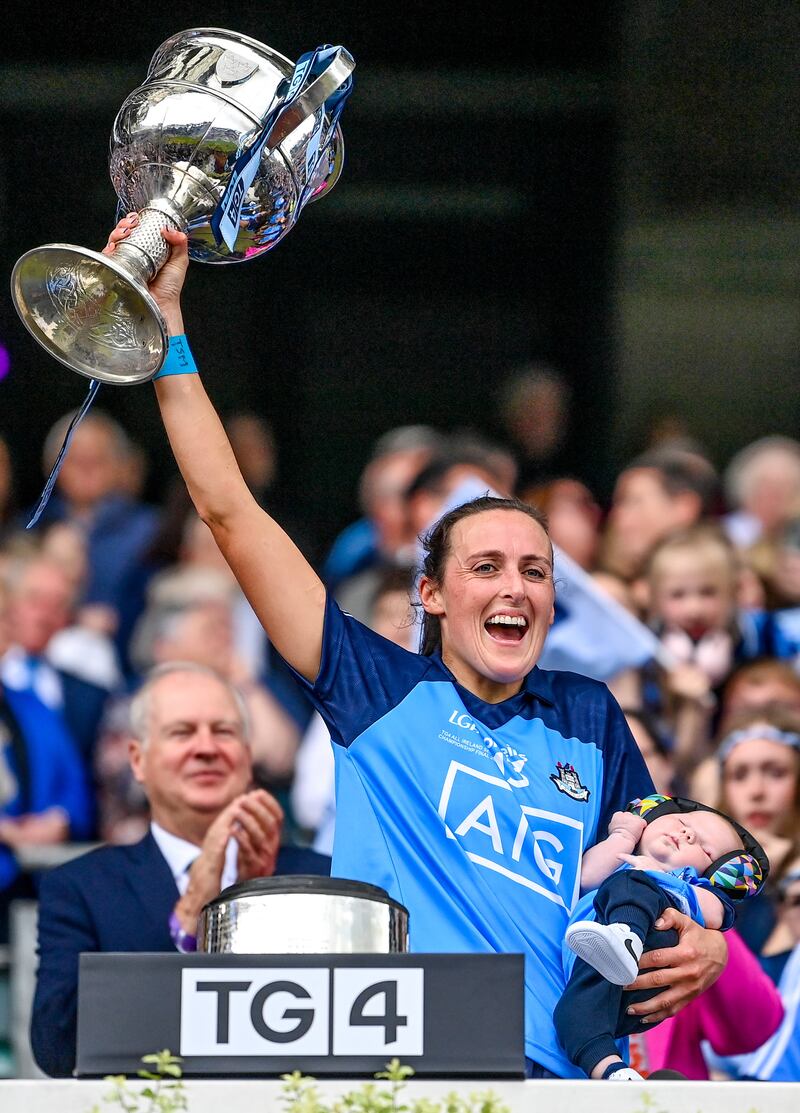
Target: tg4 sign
<point x="301" y="1011"/>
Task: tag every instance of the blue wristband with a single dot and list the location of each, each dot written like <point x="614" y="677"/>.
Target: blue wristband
<point x="179" y="361"/>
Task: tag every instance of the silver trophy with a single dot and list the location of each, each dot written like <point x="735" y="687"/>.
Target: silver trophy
<point x="223" y="128"/>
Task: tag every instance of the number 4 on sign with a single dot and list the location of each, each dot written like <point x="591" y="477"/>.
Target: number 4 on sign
<point x="389" y="1020"/>
<point x="378" y="1011"/>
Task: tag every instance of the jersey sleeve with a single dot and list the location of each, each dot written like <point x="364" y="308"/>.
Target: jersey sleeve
<point x="625" y="774"/>
<point x="362" y="675"/>
<point x="728" y="911"/>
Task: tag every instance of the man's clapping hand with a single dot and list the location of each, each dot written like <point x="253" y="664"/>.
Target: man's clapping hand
<point x="257" y="827"/>
<point x="255" y="821"/>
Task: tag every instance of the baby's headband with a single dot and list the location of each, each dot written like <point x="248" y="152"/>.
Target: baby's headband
<point x="755" y="733"/>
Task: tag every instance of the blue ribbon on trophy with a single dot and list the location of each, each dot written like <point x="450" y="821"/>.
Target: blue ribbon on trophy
<point x="226" y="218"/>
<point x="80" y="414"/>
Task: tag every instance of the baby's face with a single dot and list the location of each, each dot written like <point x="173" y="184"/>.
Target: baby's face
<point x="696" y="839"/>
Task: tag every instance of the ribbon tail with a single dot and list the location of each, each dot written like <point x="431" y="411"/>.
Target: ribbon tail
<point x="94" y="386"/>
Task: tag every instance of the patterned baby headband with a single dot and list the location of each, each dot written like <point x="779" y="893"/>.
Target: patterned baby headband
<point x="753" y="733"/>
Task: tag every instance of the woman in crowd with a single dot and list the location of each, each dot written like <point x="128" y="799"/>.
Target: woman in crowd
<point x="760" y="787"/>
<point x="443" y="757"/>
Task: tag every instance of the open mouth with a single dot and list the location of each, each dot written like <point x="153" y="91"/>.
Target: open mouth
<point x="696" y="630"/>
<point x="507" y="629"/>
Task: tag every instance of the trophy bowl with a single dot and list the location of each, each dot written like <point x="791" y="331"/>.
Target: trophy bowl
<point x="211" y="100"/>
<point x="303" y="914"/>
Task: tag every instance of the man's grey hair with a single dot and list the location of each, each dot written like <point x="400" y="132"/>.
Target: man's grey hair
<point x="141" y="703"/>
<point x="18" y="565"/>
<point x="120" y="442"/>
<point x="742" y="470"/>
<point x="408" y="438"/>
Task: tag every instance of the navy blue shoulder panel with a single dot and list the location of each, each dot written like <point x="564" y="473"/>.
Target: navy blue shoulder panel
<point x="362" y="675"/>
<point x="585" y="709"/>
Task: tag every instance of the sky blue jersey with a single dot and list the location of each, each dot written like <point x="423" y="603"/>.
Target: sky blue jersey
<point x="473" y="815"/>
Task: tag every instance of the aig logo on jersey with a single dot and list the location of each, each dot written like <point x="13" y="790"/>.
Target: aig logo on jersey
<point x="533" y="847"/>
<point x="302" y="1011"/>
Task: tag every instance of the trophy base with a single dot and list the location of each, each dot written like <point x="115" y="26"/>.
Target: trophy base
<point x="90" y="314"/>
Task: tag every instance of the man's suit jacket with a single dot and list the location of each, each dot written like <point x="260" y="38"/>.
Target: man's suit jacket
<point x="117" y="898"/>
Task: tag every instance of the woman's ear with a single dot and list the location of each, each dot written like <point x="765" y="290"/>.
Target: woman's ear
<point x="430" y="597"/>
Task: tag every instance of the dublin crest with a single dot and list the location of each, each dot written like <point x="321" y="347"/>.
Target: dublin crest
<point x="566" y="780"/>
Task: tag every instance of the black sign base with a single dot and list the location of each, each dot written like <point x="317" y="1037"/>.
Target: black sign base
<point x="447" y="1016"/>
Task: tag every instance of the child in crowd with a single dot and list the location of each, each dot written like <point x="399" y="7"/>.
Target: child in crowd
<point x="692" y="586"/>
<point x="663" y="852"/>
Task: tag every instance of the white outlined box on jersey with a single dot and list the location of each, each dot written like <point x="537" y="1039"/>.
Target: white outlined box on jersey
<point x="534" y="847"/>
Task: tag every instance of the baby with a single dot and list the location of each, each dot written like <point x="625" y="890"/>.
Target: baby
<point x="662" y="852"/>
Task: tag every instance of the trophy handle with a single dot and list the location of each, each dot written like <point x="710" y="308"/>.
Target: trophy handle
<point x="311" y="99"/>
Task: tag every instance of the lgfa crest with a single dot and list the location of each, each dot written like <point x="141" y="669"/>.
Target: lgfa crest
<point x="567" y="781"/>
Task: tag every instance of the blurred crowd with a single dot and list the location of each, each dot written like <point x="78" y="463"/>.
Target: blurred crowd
<point x="107" y="586"/>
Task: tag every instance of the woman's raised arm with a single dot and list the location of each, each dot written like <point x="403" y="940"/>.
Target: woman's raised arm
<point x="282" y="587"/>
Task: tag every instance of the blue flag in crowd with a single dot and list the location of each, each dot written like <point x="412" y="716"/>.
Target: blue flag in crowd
<point x="592" y="633"/>
<point x="779" y="1058"/>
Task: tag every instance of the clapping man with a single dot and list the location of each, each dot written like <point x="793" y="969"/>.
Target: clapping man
<point x="190" y="753"/>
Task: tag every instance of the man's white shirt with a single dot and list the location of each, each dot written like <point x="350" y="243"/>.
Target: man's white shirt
<point x="179" y="855"/>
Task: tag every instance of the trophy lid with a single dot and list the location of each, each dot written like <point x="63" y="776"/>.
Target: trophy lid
<point x="305" y="883"/>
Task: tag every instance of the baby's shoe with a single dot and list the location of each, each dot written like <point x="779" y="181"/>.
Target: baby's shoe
<point x="624" y="1074"/>
<point x="612" y="949"/>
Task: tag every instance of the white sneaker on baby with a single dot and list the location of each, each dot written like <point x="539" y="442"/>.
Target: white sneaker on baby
<point x="625" y="1074"/>
<point x="612" y="949"/>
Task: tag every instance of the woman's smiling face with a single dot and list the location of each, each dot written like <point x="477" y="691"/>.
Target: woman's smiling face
<point x="495" y="601"/>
